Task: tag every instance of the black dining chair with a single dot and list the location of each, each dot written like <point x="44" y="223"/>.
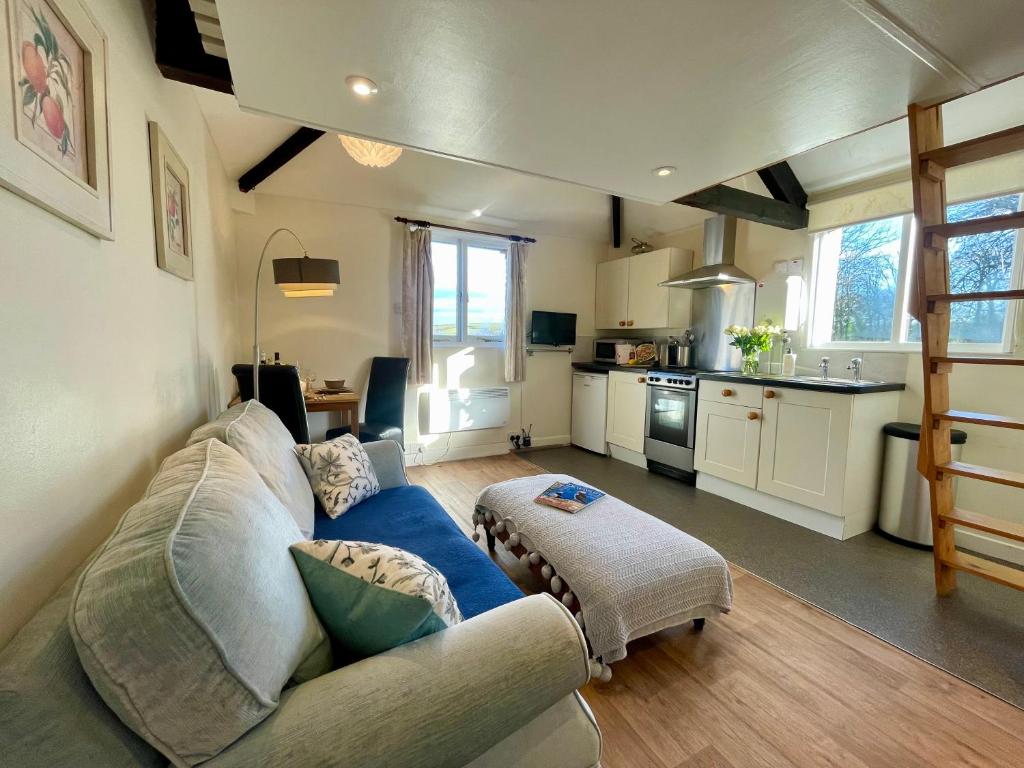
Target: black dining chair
<point x="280" y="391"/>
<point x="385" y="402"/>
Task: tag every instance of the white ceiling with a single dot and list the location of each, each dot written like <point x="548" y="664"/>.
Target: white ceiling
<point x="887" y="148"/>
<point x="600" y="92"/>
<point x="421" y="185"/>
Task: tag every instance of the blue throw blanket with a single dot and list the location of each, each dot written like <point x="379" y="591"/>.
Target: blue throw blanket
<point x="410" y="518"/>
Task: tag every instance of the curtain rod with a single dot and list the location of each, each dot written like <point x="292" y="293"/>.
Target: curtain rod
<point x="428" y="225"/>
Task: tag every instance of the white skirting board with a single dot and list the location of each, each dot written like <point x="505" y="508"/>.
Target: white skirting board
<point x="830" y="525"/>
<point x="628" y="456"/>
<point x="438" y="453"/>
<point x="984" y="544"/>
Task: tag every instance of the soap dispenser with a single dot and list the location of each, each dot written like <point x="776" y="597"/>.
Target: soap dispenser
<point x="789" y="363"/>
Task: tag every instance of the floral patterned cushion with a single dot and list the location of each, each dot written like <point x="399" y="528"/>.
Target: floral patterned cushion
<point x="340" y="473"/>
<point x="372" y="597"/>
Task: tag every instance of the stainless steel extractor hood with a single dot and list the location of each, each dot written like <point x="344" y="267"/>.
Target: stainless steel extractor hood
<point x="719" y="258"/>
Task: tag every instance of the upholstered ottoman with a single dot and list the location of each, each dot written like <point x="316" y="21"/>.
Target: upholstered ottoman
<point x="623" y="573"/>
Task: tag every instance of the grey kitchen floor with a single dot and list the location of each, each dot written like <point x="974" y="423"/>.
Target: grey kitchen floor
<point x="885" y="588"/>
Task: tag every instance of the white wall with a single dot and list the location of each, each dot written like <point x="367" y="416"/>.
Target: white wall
<point x="337" y="336"/>
<point x="110" y="362"/>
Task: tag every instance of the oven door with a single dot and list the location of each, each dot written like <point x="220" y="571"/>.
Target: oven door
<point x="671" y="415"/>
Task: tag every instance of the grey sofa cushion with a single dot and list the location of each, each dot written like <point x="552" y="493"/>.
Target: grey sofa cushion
<point x="50" y="715"/>
<point x="193" y="616"/>
<point x="257" y="433"/>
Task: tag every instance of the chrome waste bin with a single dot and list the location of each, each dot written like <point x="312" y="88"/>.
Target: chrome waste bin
<point x="905" y="512"/>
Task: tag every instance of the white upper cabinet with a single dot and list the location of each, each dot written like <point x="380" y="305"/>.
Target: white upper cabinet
<point x="629" y="294"/>
<point x="611" y="308"/>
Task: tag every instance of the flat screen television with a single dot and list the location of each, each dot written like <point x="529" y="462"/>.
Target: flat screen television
<point x="554" y="328"/>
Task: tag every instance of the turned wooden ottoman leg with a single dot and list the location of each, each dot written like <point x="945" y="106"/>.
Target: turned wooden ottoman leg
<point x="698" y="625"/>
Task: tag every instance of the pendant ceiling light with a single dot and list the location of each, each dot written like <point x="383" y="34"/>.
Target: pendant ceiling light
<point x="371" y="153"/>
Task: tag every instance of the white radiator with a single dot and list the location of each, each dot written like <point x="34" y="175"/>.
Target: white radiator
<point x="461" y="410"/>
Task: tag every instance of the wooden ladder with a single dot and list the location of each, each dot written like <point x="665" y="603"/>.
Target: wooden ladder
<point x="931" y="303"/>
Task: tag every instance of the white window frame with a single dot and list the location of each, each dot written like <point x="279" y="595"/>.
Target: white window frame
<point x="818" y="312"/>
<point x="463" y="244"/>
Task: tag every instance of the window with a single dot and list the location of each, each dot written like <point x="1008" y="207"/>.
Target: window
<point x="469" y="290"/>
<point x="862" y="271"/>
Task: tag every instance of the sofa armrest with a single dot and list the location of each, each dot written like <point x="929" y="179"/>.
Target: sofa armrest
<point x="386" y="457"/>
<point x="440" y="701"/>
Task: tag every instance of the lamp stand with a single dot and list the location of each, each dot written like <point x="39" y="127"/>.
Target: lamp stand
<point x="256" y="310"/>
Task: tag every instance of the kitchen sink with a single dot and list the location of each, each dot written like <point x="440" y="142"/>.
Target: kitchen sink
<point x="832" y="381"/>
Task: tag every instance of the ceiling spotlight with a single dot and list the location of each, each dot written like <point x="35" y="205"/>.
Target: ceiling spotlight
<point x="477" y="213"/>
<point x="361" y="86"/>
<point x="664" y="170"/>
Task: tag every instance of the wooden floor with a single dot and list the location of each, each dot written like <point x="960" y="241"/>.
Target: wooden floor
<point x="777" y="682"/>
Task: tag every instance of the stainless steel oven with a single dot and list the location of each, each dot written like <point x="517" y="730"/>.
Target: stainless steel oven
<point x="671" y="423"/>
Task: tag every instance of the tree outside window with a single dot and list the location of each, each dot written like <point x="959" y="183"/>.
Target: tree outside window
<point x="861" y="273"/>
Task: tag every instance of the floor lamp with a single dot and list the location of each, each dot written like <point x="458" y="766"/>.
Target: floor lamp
<point x="297" y="278"/>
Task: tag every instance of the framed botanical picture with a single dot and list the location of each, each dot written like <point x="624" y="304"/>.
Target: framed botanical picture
<point x="172" y="213"/>
<point x="54" y="147"/>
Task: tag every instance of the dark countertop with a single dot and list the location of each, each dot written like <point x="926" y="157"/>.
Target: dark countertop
<point x="834" y="385"/>
<point x="605" y="367"/>
<point x="785" y="382"/>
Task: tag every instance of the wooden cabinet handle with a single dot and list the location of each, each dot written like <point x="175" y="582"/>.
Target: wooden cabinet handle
<point x="622" y="322"/>
<point x="753" y="416"/>
<point x="629" y="323"/>
<point x="769" y="393"/>
<point x="641" y="380"/>
<point x="726" y="393"/>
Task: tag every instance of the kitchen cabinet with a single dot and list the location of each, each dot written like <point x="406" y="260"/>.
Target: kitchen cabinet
<point x="813" y="458"/>
<point x="727" y="441"/>
<point x="611" y="305"/>
<point x="627" y="409"/>
<point x="803" y="452"/>
<point x="629" y="295"/>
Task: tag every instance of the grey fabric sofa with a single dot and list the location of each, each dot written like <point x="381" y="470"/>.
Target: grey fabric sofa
<point x="496" y="690"/>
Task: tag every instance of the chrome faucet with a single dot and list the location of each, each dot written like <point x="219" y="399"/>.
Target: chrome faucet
<point x="855" y="365"/>
<point x="824" y="368"/>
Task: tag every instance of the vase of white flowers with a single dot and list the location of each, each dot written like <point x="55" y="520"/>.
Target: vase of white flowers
<point x="751" y="342"/>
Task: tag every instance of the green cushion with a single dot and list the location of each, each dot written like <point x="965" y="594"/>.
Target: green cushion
<point x="372" y="597"/>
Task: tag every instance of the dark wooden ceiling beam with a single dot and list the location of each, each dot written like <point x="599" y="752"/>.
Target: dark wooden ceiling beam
<point x="747" y="205"/>
<point x="281" y="155"/>
<point x="179" y="49"/>
<point x="783" y="184"/>
<point x="616" y="221"/>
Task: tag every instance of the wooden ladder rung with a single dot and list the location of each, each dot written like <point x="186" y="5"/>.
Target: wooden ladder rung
<point x="987" y="569"/>
<point x="1015" y="293"/>
<point x="986" y="419"/>
<point x="981" y="148"/>
<point x="978" y="360"/>
<point x="977" y="226"/>
<point x="978" y="472"/>
<point x="980" y="522"/>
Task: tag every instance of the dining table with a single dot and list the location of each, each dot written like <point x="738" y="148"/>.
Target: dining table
<point x="344" y="403"/>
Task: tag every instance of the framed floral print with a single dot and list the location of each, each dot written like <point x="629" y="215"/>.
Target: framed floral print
<point x="172" y="214"/>
<point x="54" y="147"/>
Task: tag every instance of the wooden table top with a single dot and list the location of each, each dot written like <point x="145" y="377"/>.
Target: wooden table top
<point x="343" y="401"/>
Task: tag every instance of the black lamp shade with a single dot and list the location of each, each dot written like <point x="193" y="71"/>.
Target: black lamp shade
<point x="306" y="276"/>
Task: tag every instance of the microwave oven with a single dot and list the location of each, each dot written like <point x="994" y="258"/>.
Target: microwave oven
<point x="604" y="349"/>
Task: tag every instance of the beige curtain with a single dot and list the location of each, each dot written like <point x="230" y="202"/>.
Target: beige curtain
<point x="515" y="313"/>
<point x="418" y="304"/>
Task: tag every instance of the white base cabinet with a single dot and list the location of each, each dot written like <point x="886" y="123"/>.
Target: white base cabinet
<point x="795" y="453"/>
<point x="627" y="409"/>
